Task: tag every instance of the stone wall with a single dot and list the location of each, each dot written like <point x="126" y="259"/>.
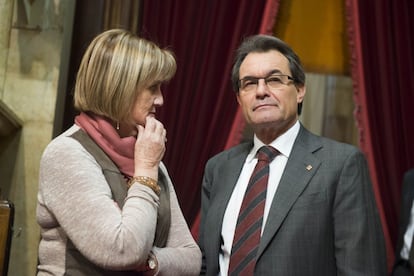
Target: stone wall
<point x="31" y="33"/>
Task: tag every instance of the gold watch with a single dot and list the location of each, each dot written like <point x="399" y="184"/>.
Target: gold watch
<point x="152" y="262"/>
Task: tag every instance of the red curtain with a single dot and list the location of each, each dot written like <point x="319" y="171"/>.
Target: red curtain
<point x="199" y="103"/>
<point x="238" y="123"/>
<point x="381" y="39"/>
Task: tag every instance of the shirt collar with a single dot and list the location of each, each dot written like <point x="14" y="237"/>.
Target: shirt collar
<point x="283" y="143"/>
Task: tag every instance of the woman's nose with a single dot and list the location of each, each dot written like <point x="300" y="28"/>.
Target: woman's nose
<point x="159" y="99"/>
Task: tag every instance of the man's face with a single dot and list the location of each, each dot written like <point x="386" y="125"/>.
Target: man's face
<point x="264" y="107"/>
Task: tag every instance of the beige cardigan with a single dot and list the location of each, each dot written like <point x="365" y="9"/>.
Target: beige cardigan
<point x="75" y="201"/>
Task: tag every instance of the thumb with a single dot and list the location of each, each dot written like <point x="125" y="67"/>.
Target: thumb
<point x="140" y="131"/>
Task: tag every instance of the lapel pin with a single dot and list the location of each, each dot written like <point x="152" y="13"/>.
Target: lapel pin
<point x="309" y="167"/>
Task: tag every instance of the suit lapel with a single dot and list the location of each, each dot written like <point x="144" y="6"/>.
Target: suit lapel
<point x="229" y="172"/>
<point x="299" y="169"/>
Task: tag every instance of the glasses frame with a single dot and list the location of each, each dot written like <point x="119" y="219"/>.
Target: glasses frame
<point x="266" y="79"/>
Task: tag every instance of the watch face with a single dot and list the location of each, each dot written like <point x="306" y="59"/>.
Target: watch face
<point x="152" y="264"/>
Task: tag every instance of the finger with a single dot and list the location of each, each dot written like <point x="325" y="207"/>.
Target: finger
<point x="150" y="124"/>
<point x="140" y="131"/>
<point x="159" y="129"/>
<point x="156" y="127"/>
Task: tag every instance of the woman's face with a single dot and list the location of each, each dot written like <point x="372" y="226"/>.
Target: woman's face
<point x="146" y="103"/>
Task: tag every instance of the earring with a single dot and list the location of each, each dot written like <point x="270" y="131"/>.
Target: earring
<point x="117" y="125"/>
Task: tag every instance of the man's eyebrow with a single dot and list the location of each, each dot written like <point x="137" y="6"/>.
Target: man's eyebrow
<point x="274" y="72"/>
<point x="271" y="72"/>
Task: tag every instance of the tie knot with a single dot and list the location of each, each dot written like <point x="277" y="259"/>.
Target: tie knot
<point x="267" y="153"/>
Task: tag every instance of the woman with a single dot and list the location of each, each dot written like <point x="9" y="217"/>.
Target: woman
<point x="106" y="205"/>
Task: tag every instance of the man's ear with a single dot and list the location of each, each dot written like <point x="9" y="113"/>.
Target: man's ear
<point x="238" y="98"/>
<point x="301" y="91"/>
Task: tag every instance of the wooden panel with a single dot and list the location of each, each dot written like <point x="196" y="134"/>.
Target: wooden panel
<point x="316" y="30"/>
<point x="6" y="220"/>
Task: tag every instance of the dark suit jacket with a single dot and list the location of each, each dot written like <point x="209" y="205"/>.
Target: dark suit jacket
<point x="323" y="220"/>
<point x="407" y="197"/>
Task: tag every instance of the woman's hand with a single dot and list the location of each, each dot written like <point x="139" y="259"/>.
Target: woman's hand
<point x="149" y="147"/>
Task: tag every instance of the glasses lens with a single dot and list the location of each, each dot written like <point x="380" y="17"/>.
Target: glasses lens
<point x="276" y="81"/>
<point x="248" y="84"/>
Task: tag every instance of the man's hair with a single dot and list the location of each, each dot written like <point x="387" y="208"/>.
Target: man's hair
<point x="115" y="68"/>
<point x="263" y="44"/>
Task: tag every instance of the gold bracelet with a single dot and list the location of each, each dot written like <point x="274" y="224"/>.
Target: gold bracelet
<point x="147" y="181"/>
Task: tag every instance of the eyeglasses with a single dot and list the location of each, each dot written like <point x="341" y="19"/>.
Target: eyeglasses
<point x="273" y="82"/>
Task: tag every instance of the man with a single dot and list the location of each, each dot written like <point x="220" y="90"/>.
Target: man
<point x="404" y="250"/>
<point x="319" y="215"/>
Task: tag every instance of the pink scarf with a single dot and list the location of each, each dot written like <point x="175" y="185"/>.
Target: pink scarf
<point x="120" y="150"/>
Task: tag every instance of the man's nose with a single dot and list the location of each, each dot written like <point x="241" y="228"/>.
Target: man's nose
<point x="262" y="87"/>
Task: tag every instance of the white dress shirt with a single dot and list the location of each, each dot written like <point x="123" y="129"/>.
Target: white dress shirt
<point x="408" y="237"/>
<point x="283" y="144"/>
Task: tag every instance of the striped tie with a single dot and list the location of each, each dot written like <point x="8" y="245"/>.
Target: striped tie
<point x="249" y="223"/>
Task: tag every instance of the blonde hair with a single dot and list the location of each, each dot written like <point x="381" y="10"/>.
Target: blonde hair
<point x="116" y="66"/>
